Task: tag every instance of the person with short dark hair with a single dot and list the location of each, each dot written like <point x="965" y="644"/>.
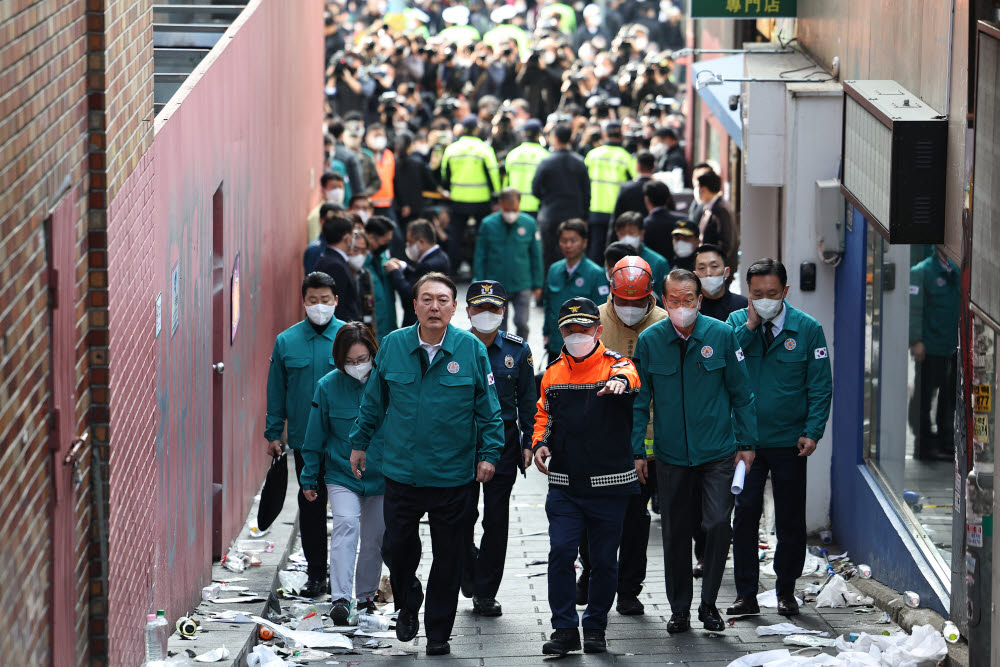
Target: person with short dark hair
<point x="610" y="166"/>
<point x="697" y="206"/>
<point x="346" y="156"/>
<point x="301" y="356"/>
<point x="693" y="374"/>
<point x="562" y="185"/>
<point x="710" y="266"/>
<point x="425" y="256"/>
<point x="717" y="225"/>
<point x="338" y="233"/>
<point x="574" y="275"/>
<point x="671" y="156"/>
<point x="428" y="379"/>
<point x="356" y="503"/>
<point x="522" y="162"/>
<point x="379" y="231"/>
<point x="789" y="368"/>
<point x="631" y="197"/>
<point x="659" y="219"/>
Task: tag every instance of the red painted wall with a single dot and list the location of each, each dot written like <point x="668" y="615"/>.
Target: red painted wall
<point x="251" y="125"/>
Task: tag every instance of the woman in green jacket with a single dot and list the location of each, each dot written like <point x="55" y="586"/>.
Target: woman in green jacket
<point x="356" y="501"/>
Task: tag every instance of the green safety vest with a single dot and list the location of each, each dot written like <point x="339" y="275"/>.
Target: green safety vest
<point x="520" y="167"/>
<point x="609" y="167"/>
<point x="469" y="167"/>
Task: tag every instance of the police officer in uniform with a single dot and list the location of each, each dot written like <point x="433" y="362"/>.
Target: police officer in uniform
<point x="429" y="378"/>
<point x="692" y="370"/>
<point x="521" y="164"/>
<point x="789" y="367"/>
<point x="514" y="375"/>
<point x="302" y="355"/>
<point x="609" y="166"/>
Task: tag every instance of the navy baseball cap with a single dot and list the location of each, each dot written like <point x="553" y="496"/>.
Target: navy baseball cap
<point x="579" y="310"/>
<point x="470" y="122"/>
<point x="486" y="291"/>
<point x="533" y="125"/>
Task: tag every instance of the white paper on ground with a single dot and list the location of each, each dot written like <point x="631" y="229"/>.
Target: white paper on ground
<point x="786" y="629"/>
<point x="770" y="599"/>
<point x="810" y="565"/>
<point x="308" y="639"/>
<point x="215" y="655"/>
<point x="386" y="634"/>
<point x="231" y="616"/>
<point x="237" y="600"/>
<point x="738" y="477"/>
<point x="263" y="656"/>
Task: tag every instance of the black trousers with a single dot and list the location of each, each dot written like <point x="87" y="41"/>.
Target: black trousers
<point x="788" y="486"/>
<point x="635" y="540"/>
<point x="312" y="523"/>
<point x="458" y="226"/>
<point x="676" y="485"/>
<point x="448" y="510"/>
<point x="488" y="561"/>
<point x="935" y="375"/>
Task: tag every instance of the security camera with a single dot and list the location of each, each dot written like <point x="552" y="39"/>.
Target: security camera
<point x="734" y="102"/>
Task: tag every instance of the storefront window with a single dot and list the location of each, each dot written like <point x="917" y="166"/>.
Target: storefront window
<point x="911" y="338"/>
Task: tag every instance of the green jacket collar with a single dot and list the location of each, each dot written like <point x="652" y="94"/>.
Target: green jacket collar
<point x="330" y="332"/>
<point x="447" y="344"/>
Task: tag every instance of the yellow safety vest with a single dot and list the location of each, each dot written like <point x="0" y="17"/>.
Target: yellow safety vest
<point x="520" y="166"/>
<point x="470" y="167"/>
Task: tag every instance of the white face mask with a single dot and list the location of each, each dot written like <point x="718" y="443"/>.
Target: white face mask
<point x="579" y="345"/>
<point x="632" y="240"/>
<point x="356" y="262"/>
<point x="335" y="196"/>
<point x="658" y="149"/>
<point x="713" y="284"/>
<point x="486" y="322"/>
<point x="320" y="313"/>
<point x="682" y="317"/>
<point x="358" y="371"/>
<point x="767" y="308"/>
<point x="364" y="215"/>
<point x="683" y="248"/>
<point x="377" y="143"/>
<point x="510" y="217"/>
<point x="549" y="57"/>
<point x="630" y="315"/>
<point x="413" y="252"/>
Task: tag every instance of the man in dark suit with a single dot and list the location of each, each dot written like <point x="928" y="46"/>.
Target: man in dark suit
<point x="696" y="207"/>
<point x="562" y="186"/>
<point x="717" y="225"/>
<point x="631" y="197"/>
<point x="338" y="232"/>
<point x="672" y="156"/>
<point x="425" y="256"/>
<point x="660" y="221"/>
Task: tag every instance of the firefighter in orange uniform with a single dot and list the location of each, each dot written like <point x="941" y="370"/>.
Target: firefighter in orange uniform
<point x="582" y="442"/>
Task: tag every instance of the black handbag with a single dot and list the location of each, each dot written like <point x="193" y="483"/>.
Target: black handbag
<point x="272" y="496"/>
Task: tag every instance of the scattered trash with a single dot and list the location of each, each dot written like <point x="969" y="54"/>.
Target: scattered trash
<point x="309" y="655"/>
<point x="251" y="546"/>
<point x="538" y="562"/>
<point x="384" y="593"/>
<point x="238" y="600"/>
<point x="786" y="629"/>
<point x="529" y="576"/>
<point x="925" y="647"/>
<point x="911" y="599"/>
<point x="307" y="639"/>
<point x="809" y="640"/>
<point x="864" y="571"/>
<point x="837" y="594"/>
<point x="231" y="616"/>
<point x="392" y="651"/>
<point x="186" y="627"/>
<point x="234" y="561"/>
<point x="292" y="580"/>
<point x="950" y="632"/>
<point x="826" y="537"/>
<point x="215" y="655"/>
<point x="770" y="599"/>
<point x="263" y="656"/>
<point x="310" y="623"/>
<point x="884" y="619"/>
<point x="372" y="643"/>
<point x="266" y="634"/>
<point x="211" y="591"/>
<point x="838" y="557"/>
<point x="373" y="623"/>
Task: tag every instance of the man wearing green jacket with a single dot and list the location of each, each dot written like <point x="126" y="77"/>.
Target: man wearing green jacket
<point x="509" y="252"/>
<point x="569" y="278"/>
<point x="431" y="393"/>
<point x="789" y="367"/>
<point x="691" y="369"/>
<point x="935" y="289"/>
<point x="302" y="355"/>
<point x="379" y="230"/>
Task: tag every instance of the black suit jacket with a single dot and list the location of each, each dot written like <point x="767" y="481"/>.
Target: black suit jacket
<point x="718" y="227"/>
<point x="659" y="227"/>
<point x="403" y="280"/>
<point x="562" y="185"/>
<point x="348" y="300"/>
<point x="630" y="198"/>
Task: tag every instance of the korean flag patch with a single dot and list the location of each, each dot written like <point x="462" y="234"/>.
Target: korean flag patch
<point x="489" y="379"/>
<point x="820" y="353"/>
<point x="603" y="290"/>
<point x="739" y="354"/>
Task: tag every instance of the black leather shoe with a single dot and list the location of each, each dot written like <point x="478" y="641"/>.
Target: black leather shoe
<point x="583" y="588"/>
<point x="469" y="573"/>
<point x="340" y="611"/>
<point x="679" y="622"/>
<point x="710" y="618"/>
<point x="486" y="607"/>
<point x="787" y="606"/>
<point x="629" y="605"/>
<point x="438" y="648"/>
<point x="562" y="642"/>
<point x="743" y="606"/>
<point x="367" y="607"/>
<point x="594" y="641"/>
<point x="407" y="625"/>
<point x="698" y="570"/>
<point x="314" y="588"/>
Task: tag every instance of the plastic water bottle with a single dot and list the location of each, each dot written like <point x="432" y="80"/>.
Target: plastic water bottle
<point x="163" y="631"/>
<point x="950" y="632"/>
<point x="372" y="623"/>
<point x="154" y="650"/>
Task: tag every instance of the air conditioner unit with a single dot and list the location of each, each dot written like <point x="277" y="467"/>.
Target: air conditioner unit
<point x="893" y="161"/>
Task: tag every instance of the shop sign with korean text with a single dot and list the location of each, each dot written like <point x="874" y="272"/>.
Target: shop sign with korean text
<point x="743" y="9"/>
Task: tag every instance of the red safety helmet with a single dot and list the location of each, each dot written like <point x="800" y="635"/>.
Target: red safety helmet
<point x="631" y="278"/>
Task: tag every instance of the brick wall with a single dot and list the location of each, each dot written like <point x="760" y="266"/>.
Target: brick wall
<point x="265" y="158"/>
<point x="42" y="146"/>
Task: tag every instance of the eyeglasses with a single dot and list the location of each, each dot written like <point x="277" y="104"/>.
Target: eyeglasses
<point x="359" y="360"/>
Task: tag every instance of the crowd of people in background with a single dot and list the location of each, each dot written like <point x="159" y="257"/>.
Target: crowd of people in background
<point x="534" y="151"/>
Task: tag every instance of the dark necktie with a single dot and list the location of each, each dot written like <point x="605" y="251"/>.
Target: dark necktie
<point x="768" y="335"/>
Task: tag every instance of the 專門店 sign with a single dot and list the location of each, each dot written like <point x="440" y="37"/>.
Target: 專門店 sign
<point x="743" y="9"/>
